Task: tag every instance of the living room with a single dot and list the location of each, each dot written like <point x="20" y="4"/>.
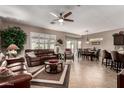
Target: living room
<point x="54" y="48"/>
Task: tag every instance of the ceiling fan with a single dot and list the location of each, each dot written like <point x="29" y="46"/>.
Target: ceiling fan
<point x="62" y="17"/>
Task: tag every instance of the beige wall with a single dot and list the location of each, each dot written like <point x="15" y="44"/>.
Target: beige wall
<point x="28" y="28"/>
<point x="107" y="42"/>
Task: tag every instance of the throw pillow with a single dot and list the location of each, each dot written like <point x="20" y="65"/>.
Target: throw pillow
<point x="31" y="54"/>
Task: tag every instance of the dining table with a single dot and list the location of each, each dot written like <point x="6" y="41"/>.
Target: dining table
<point x="89" y="53"/>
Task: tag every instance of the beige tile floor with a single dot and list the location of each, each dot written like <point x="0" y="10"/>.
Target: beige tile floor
<point x="91" y="74"/>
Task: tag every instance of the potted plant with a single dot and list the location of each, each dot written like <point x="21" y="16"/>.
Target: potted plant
<point x="13" y="35"/>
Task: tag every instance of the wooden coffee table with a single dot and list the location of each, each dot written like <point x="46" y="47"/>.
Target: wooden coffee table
<point x="53" y="67"/>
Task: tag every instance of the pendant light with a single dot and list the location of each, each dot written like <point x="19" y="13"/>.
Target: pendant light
<point x="87" y="40"/>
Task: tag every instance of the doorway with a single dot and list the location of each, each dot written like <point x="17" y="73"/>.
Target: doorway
<point x="73" y="44"/>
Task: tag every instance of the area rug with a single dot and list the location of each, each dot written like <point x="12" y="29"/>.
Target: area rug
<point x="59" y="80"/>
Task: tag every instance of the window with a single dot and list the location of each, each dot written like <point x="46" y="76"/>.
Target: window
<point x="52" y="46"/>
<point x="42" y="41"/>
<point x="68" y="45"/>
<point x="79" y="44"/>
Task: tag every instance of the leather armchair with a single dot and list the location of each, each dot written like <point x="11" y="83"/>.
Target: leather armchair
<point x="21" y="79"/>
<point x="69" y="54"/>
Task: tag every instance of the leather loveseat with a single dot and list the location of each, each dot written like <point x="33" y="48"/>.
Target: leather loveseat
<point x="41" y="56"/>
<point x="21" y="79"/>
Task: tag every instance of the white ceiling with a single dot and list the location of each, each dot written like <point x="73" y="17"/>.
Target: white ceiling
<point x="86" y="17"/>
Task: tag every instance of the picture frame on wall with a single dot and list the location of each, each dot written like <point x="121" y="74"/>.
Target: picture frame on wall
<point x="95" y="43"/>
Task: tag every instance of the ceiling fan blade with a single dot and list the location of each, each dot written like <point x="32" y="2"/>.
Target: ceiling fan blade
<point x="52" y="22"/>
<point x="66" y="15"/>
<point x="69" y="20"/>
<point x="53" y="14"/>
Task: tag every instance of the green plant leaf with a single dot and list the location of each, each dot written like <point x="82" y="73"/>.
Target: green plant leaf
<point x="13" y="35"/>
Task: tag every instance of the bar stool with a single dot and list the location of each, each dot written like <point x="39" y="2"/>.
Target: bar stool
<point x="116" y="63"/>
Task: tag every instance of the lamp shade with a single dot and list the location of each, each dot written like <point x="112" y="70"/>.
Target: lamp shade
<point x="12" y="47"/>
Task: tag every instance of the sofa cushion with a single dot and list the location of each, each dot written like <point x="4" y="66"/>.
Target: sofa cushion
<point x="35" y="59"/>
<point x="35" y="63"/>
<point x="16" y="64"/>
<point x="15" y="60"/>
<point x="17" y="68"/>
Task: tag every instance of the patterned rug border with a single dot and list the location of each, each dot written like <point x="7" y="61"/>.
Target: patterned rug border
<point x="63" y="82"/>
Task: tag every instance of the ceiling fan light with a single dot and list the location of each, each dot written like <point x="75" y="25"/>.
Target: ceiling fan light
<point x="60" y="20"/>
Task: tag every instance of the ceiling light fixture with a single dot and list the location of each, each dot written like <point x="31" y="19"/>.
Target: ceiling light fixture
<point x="62" y="17"/>
<point x="95" y="39"/>
<point x="60" y="20"/>
<point x="87" y="41"/>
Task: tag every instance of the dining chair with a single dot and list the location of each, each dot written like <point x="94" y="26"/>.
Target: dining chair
<point x="79" y="51"/>
<point x="96" y="54"/>
<point x="83" y="53"/>
<point x="107" y="57"/>
<point x="116" y="63"/>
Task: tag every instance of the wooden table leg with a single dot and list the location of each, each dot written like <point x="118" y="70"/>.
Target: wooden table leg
<point x="61" y="66"/>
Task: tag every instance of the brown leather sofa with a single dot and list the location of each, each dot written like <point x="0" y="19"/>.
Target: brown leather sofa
<point x="21" y="79"/>
<point x="41" y="56"/>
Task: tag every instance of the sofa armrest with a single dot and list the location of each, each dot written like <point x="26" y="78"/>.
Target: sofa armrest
<point x="17" y="81"/>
